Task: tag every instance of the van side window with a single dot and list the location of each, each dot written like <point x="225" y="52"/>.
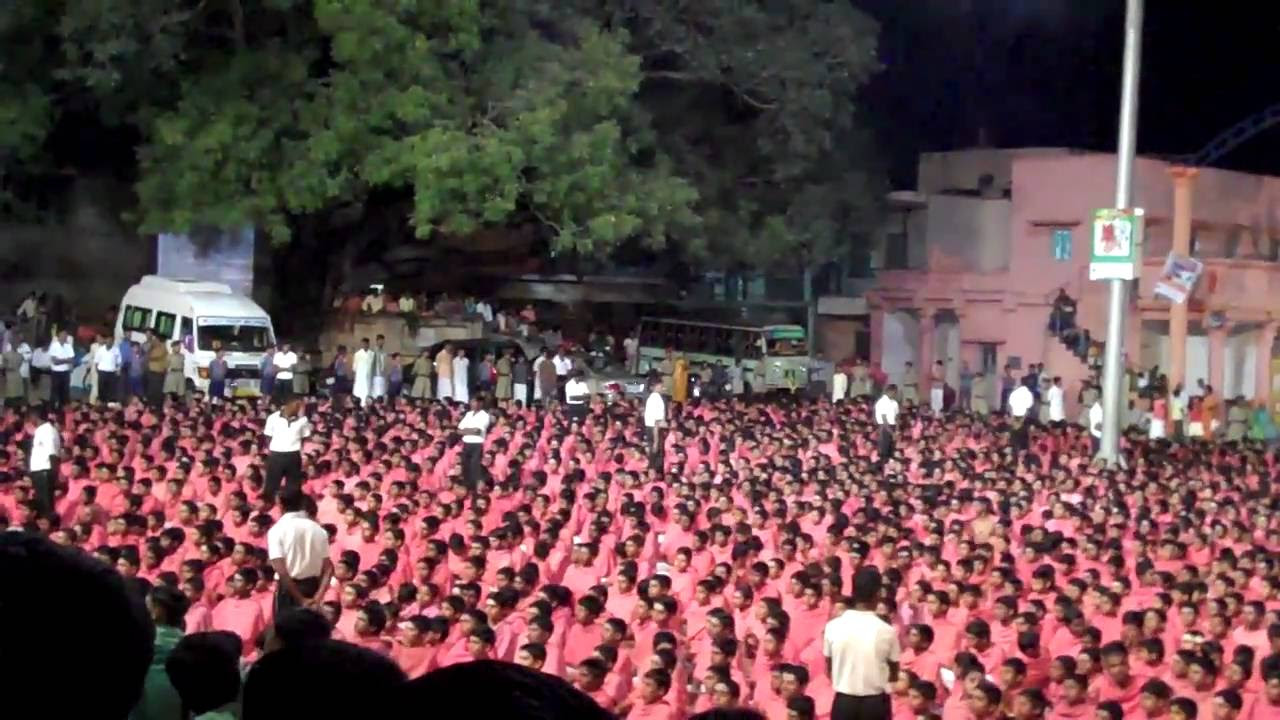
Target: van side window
<point x="136" y="318"/>
<point x="165" y="323"/>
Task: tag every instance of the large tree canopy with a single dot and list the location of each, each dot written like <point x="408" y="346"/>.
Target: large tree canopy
<point x="726" y="129"/>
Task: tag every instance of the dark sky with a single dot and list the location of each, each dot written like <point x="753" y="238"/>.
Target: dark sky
<point x="1047" y="72"/>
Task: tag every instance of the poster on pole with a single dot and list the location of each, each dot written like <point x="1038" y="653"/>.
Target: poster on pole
<point x="1117" y="244"/>
<point x="1179" y="277"/>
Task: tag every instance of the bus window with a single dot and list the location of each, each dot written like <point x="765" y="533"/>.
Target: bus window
<point x="136" y="319"/>
<point x="165" y="323"/>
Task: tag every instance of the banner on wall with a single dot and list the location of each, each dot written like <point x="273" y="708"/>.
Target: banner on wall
<point x="1179" y="277"/>
<point x="1117" y="243"/>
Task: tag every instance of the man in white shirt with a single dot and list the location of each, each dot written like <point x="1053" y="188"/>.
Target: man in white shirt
<point x="564" y="364"/>
<point x="62" y="359"/>
<point x="1095" y="426"/>
<point x="106" y="360"/>
<point x="362" y="373"/>
<point x="298" y="549"/>
<point x="1057" y="402"/>
<point x="284" y="360"/>
<point x="576" y="395"/>
<point x="46" y="449"/>
<point x="862" y="653"/>
<point x="886" y="414"/>
<point x="1020" y="401"/>
<point x="655" y="422"/>
<point x="474" y="426"/>
<point x="286" y="428"/>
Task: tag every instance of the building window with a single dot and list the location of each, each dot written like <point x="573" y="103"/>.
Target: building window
<point x="1062" y="244"/>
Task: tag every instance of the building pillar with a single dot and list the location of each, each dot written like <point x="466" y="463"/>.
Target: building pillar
<point x="875" y="321"/>
<point x="1262" y="369"/>
<point x="924" y="362"/>
<point x="1183" y="183"/>
<point x="1217" y="357"/>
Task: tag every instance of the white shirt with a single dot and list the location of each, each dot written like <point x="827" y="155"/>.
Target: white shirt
<point x="40" y="359"/>
<point x="563" y="364"/>
<point x="860" y="646"/>
<point x="655" y="409"/>
<point x="301" y="542"/>
<point x="286" y="435"/>
<point x="25" y="351"/>
<point x="1020" y="401"/>
<point x="284" y="362"/>
<point x="61" y="355"/>
<point x="1095" y="419"/>
<point x="474" y="420"/>
<point x="1057" y="404"/>
<point x="886" y="411"/>
<point x="44" y="443"/>
<point x="107" y="359"/>
<point x="576" y="392"/>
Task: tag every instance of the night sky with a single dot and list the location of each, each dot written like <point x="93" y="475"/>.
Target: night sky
<point x="1047" y="72"/>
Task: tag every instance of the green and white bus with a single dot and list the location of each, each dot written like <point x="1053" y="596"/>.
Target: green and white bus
<point x="774" y="357"/>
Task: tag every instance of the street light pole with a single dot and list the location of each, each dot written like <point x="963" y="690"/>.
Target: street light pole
<point x="1114" y="394"/>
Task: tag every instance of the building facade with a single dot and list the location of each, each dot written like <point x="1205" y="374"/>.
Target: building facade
<point x="970" y="263"/>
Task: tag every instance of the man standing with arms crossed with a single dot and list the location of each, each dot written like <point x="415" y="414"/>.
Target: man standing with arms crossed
<point x="655" y="420"/>
<point x="46" y="451"/>
<point x="298" y="548"/>
<point x="862" y="654"/>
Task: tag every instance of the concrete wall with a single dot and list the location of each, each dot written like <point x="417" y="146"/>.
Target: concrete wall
<point x="962" y="169"/>
<point x="968" y="233"/>
<point x="901" y="344"/>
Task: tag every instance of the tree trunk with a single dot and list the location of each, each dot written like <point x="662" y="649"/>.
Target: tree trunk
<point x="811" y="310"/>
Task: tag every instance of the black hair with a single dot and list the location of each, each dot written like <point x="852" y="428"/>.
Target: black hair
<point x="300" y="626"/>
<point x="283" y="683"/>
<point x="492" y="689"/>
<point x="91" y="611"/>
<point x="204" y="669"/>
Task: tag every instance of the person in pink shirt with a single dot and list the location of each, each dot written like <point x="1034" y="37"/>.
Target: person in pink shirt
<point x="652" y="705"/>
<point x="417" y="643"/>
<point x="590" y="680"/>
<point x="239" y="612"/>
<point x="1155" y="698"/>
<point x="583" y="635"/>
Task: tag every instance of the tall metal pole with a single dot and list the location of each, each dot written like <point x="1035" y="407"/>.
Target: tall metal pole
<point x="1114" y="394"/>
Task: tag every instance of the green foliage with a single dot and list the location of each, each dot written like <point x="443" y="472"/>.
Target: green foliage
<point x="724" y="127"/>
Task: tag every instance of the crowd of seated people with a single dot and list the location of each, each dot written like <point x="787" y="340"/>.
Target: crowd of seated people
<point x="1024" y="582"/>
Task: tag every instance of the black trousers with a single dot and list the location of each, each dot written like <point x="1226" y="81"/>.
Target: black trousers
<point x="59" y="389"/>
<point x="576" y="412"/>
<point x="656" y="449"/>
<point x="155" y="388"/>
<point x="43" y="482"/>
<point x="885" y="443"/>
<point x="107" y="383"/>
<point x="860" y="707"/>
<point x="471" y="453"/>
<point x="284" y="601"/>
<point x="287" y="465"/>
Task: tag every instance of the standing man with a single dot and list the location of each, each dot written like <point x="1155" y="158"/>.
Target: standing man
<point x="217" y="376"/>
<point x="422" y="369"/>
<point x="576" y="395"/>
<point x="1057" y="402"/>
<point x="474" y="426"/>
<point x="910" y="383"/>
<point x="631" y="349"/>
<point x="46" y="450"/>
<point x="503" y="369"/>
<point x="564" y="364"/>
<point x="62" y="358"/>
<point x="444" y="372"/>
<point x="287" y="427"/>
<point x="106" y="360"/>
<point x="545" y="369"/>
<point x="520" y="380"/>
<point x="341" y="382"/>
<point x="285" y="361"/>
<point x="461" y="377"/>
<point x="862" y="654"/>
<point x="1020" y="403"/>
<point x="655" y="422"/>
<point x="978" y="401"/>
<point x="362" y="372"/>
<point x="886" y="410"/>
<point x="298" y="548"/>
<point x="379" y="368"/>
<point x="157" y="365"/>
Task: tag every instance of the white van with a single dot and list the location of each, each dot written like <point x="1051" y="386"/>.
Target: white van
<point x="203" y="316"/>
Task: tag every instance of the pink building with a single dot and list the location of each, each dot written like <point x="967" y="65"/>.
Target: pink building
<point x="969" y="264"/>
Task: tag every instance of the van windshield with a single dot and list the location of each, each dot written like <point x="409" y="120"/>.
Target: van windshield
<point x="232" y="337"/>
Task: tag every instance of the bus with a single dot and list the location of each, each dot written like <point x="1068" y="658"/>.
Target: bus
<point x="774" y="357"/>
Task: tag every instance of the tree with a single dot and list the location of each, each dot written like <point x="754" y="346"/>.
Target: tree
<point x="26" y="105"/>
